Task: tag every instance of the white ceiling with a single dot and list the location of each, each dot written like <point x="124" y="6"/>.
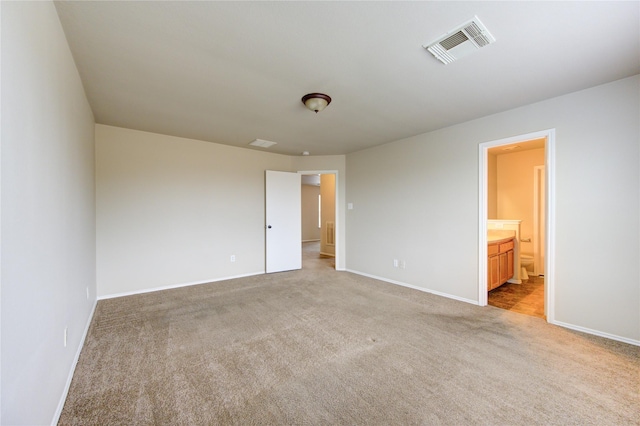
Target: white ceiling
<point x="232" y="72"/>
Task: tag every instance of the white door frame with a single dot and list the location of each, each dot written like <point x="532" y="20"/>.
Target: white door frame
<point x="538" y="219"/>
<point x="337" y="224"/>
<point x="549" y="279"/>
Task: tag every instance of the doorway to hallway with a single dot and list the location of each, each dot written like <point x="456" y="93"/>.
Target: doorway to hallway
<point x="319" y="217"/>
<point x="312" y="258"/>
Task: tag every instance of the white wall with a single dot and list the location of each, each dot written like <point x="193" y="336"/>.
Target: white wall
<point x="417" y="199"/>
<point x="171" y="211"/>
<point x="48" y="213"/>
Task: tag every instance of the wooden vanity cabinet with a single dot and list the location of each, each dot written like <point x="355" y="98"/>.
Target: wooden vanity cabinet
<point x="499" y="263"/>
<point x="493" y="280"/>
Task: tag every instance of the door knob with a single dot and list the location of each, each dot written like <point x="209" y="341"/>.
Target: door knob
<point x="269" y="226"/>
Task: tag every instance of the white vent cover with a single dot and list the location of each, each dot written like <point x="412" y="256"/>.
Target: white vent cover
<point x="467" y="38"/>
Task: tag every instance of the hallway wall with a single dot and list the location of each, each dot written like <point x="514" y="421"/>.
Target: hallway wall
<point x="327" y="235"/>
<point x="310" y="230"/>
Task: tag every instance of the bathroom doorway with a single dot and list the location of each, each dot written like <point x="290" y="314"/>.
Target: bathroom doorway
<point x="530" y="291"/>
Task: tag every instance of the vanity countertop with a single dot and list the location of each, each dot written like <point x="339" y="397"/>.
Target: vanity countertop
<point x="499" y="236"/>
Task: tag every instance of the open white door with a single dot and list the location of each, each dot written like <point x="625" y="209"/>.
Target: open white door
<point x="283" y="221"/>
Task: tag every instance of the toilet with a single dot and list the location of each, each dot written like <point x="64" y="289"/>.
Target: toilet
<point x="526" y="263"/>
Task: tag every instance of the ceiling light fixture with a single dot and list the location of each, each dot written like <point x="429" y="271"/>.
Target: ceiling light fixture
<point x="316" y="101"/>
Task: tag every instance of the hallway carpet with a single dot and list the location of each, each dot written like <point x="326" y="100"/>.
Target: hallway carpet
<point x="319" y="347"/>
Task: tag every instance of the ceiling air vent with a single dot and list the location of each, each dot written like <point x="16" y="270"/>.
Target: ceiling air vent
<point x="262" y="143"/>
<point x="461" y="41"/>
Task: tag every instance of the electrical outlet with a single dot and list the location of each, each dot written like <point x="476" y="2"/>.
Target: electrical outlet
<point x="87" y="292"/>
<point x="233" y="257"/>
<point x="395" y="263"/>
<point x="66" y="329"/>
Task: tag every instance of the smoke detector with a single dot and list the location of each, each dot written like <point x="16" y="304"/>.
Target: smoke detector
<point x="459" y="42"/>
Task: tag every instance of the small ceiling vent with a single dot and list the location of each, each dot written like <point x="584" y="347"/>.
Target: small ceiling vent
<point x="467" y="38"/>
<point x="262" y="143"/>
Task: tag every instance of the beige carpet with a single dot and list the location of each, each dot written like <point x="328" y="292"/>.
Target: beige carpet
<point x="318" y="346"/>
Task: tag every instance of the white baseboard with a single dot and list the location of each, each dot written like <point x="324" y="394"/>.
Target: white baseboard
<point x="63" y="397"/>
<point x="596" y="333"/>
<point x="425" y="290"/>
<point x="474" y="302"/>
<point x="172" y="286"/>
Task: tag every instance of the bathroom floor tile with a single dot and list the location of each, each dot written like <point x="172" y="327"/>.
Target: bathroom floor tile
<point x="526" y="298"/>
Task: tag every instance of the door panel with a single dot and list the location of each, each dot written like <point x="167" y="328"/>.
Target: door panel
<point x="283" y="221"/>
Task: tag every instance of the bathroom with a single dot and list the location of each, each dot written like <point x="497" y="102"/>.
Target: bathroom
<point x="515" y="206"/>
